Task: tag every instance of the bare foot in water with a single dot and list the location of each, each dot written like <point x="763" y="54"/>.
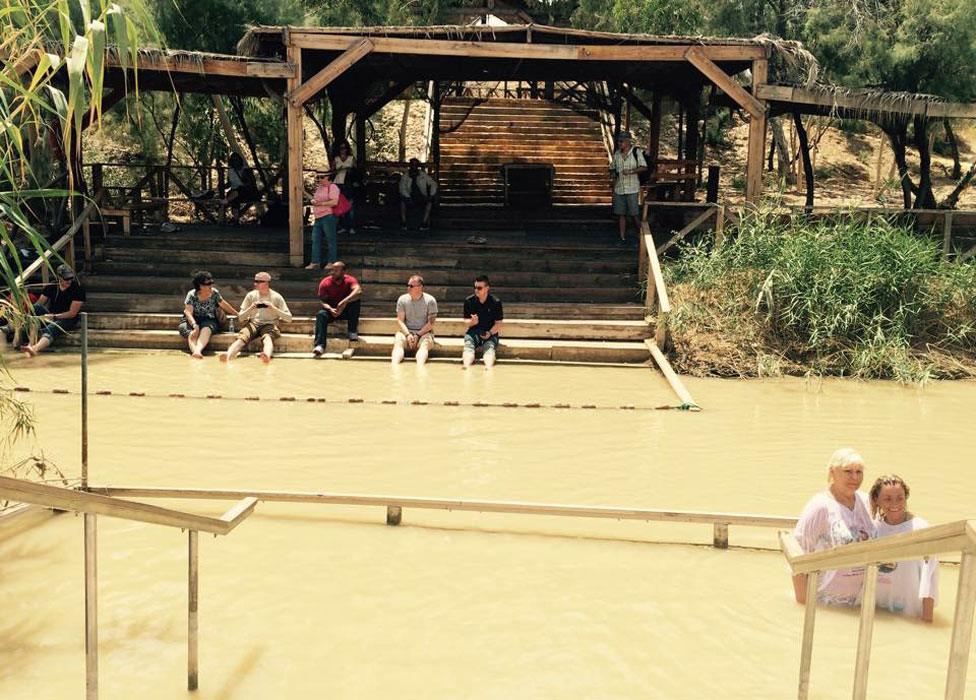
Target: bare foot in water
<point x="196" y="355"/>
<point x="28" y="350"/>
<point x="223" y="357"/>
<point x="265" y="357"/>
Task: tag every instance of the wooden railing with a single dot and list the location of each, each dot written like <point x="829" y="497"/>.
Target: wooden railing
<point x="92" y="505"/>
<point x="959" y="536"/>
<point x="66" y="243"/>
<point x="720" y="522"/>
<point x="717" y="211"/>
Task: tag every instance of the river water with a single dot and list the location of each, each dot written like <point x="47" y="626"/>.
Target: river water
<point x="307" y="601"/>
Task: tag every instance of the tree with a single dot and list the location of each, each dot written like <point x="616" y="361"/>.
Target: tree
<point x="217" y="25"/>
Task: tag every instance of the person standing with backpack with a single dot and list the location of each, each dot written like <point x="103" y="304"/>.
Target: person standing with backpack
<point x="628" y="164"/>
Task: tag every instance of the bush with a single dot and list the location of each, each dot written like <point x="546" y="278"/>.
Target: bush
<point x="839" y="295"/>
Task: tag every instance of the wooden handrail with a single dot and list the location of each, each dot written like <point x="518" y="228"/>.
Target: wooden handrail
<point x="959" y="536"/>
<point x="56" y="246"/>
<point x="49" y="496"/>
<point x="720" y="521"/>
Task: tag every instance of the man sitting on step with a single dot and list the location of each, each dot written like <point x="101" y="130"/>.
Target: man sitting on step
<point x="483" y="316"/>
<point x="416" y="312"/>
<point x="260" y="313"/>
<point x="339" y="295"/>
<point x="417" y="191"/>
<point x="58" y="307"/>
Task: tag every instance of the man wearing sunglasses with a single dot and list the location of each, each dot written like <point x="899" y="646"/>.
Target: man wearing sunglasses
<point x="483" y="316"/>
<point x="261" y="311"/>
<point x="416" y="312"/>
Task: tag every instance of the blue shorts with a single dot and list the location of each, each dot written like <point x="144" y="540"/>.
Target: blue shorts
<point x="473" y="341"/>
<point x="626" y="204"/>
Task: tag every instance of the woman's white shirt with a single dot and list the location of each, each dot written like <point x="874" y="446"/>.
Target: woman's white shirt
<point x="825" y="523"/>
<point x="903" y="584"/>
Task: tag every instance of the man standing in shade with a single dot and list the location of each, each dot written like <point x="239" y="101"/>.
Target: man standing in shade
<point x="628" y="163"/>
<point x="260" y="313"/>
<point x="483" y="316"/>
<point x="340" y="296"/>
<point x="416" y="312"/>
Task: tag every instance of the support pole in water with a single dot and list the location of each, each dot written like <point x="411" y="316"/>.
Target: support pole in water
<point x="84" y="400"/>
<point x="868" y="603"/>
<point x="806" y="648"/>
<point x="193" y="666"/>
<point x="962" y="628"/>
<point x="91" y="609"/>
<point x="720" y="535"/>
<point x="394" y="514"/>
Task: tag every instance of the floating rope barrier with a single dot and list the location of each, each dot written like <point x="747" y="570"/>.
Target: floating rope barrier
<point x="359" y="400"/>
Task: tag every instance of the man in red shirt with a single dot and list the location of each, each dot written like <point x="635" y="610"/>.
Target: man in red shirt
<point x="340" y="296"/>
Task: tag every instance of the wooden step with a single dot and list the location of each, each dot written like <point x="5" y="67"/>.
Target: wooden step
<point x="553" y="329"/>
<point x="306" y="305"/>
<point x="382" y="345"/>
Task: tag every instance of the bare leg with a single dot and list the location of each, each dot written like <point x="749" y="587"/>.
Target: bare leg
<point x="204" y="339"/>
<point x="622" y="227"/>
<point x="403" y="214"/>
<point x="232" y="352"/>
<point x="427" y="207"/>
<point x="267" y="349"/>
<point x="637" y="224"/>
<point x="489" y="359"/>
<point x="423" y="350"/>
<point x="42" y="344"/>
<point x="467" y="358"/>
<point x="191" y="340"/>
<point x="398" y="352"/>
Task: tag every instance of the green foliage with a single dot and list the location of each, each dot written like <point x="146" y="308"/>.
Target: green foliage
<point x="641" y="16"/>
<point x="838" y="295"/>
<point x="217" y="25"/>
<point x="371" y="13"/>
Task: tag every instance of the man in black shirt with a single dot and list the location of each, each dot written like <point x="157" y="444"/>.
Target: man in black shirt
<point x="483" y="316"/>
<point x="58" y="307"/>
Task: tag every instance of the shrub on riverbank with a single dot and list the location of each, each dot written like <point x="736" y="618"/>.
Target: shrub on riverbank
<point x="841" y="296"/>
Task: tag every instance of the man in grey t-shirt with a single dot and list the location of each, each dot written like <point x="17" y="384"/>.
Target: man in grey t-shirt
<point x="416" y="312"/>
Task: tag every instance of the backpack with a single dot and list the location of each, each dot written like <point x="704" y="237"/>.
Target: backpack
<point x="645" y="177"/>
<point x="342" y="207"/>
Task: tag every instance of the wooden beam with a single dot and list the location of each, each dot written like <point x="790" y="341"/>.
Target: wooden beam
<point x="206" y="66"/>
<point x="724" y="81"/>
<point x="677" y="386"/>
<point x="938" y="539"/>
<point x="91" y="606"/>
<point x="962" y="629"/>
<point x="757" y="138"/>
<point x="806" y="645"/>
<point x="516" y="507"/>
<point x="548" y="52"/>
<point x="867" y="103"/>
<point x="695" y="223"/>
<point x="391" y="93"/>
<point x="193" y="612"/>
<point x="296" y="148"/>
<point x="320" y="80"/>
<point x="23" y="491"/>
<point x="866" y="627"/>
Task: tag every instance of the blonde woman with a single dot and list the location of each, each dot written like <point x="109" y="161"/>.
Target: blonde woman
<point x="836" y="516"/>
<point x="907" y="587"/>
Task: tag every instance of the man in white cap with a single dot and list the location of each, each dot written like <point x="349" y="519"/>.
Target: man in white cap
<point x="628" y="163"/>
<point x="261" y="311"/>
<point x="58" y="306"/>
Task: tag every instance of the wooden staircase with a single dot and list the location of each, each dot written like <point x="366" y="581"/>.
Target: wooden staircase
<point x="479" y="136"/>
<point x="569" y="296"/>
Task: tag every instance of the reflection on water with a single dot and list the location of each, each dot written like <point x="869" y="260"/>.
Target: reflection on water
<point x="304" y="601"/>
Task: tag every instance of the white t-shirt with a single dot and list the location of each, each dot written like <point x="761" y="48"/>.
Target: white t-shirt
<point x="277" y="311"/>
<point x="342" y="168"/>
<point x="825" y="523"/>
<point x="629" y="183"/>
<point x="903" y="584"/>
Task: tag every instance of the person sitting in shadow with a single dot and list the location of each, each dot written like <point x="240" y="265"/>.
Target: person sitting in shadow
<point x="242" y="188"/>
<point x="417" y="192"/>
<point x="58" y="306"/>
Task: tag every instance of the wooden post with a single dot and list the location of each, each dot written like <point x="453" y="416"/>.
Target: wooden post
<point x="84" y="399"/>
<point x="719" y="226"/>
<point x="435" y="146"/>
<point x="91" y="608"/>
<point x="868" y="604"/>
<point x="806" y="647"/>
<point x="946" y="234"/>
<point x="361" y="155"/>
<point x="193" y="623"/>
<point x="394" y="514"/>
<point x="654" y="138"/>
<point x="720" y="535"/>
<point x="711" y="189"/>
<point x="962" y="629"/>
<point x="296" y="148"/>
<point x="86" y="243"/>
<point x="757" y="137"/>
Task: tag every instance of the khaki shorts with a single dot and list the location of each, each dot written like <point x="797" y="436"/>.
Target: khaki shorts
<point x="426" y="339"/>
<point x="253" y="330"/>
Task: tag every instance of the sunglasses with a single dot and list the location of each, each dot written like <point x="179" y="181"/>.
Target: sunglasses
<point x="479" y="287"/>
<point x="411" y="286"/>
<point x="260" y="281"/>
<point x="207" y="284"/>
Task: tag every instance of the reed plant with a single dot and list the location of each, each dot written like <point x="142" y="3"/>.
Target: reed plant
<point x="846" y="295"/>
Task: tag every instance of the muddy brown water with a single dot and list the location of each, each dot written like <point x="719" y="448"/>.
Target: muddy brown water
<point x="309" y="601"/>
